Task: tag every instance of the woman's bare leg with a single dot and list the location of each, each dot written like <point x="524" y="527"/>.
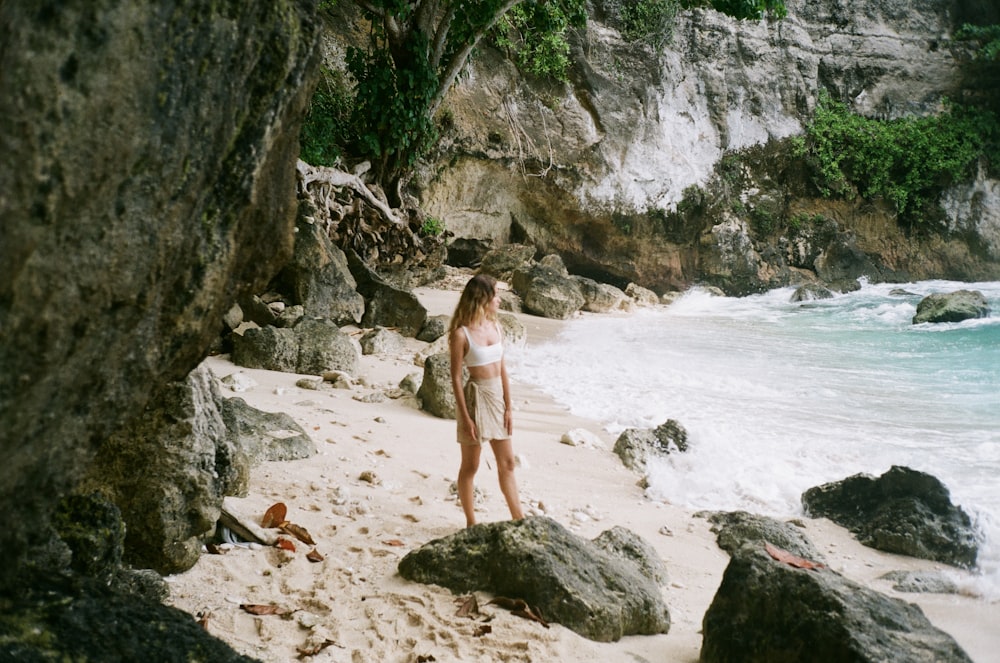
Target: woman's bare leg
<point x="466" y="481"/>
<point x="503" y="451"/>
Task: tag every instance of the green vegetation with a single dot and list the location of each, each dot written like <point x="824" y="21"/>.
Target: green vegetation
<point x="432" y="227"/>
<point x="416" y="49"/>
<point x="536" y="34"/>
<point x="988" y="37"/>
<point x="328" y="124"/>
<point x="649" y="21"/>
<point x="906" y="161"/>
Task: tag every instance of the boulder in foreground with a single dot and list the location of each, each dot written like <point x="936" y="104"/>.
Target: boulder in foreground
<point x="952" y="307"/>
<point x="903" y="511"/>
<point x="570" y="580"/>
<point x="769" y="611"/>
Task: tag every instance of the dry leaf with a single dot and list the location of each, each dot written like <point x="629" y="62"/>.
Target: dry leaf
<point x="214" y="549"/>
<point x="285" y="544"/>
<point x="298" y="532"/>
<point x="470" y="606"/>
<point x="425" y="658"/>
<point x="520" y="608"/>
<point x="276" y="514"/>
<point x="482" y="630"/>
<point x="312" y="650"/>
<point x="790" y="559"/>
<point x="261" y="609"/>
<point x="314" y="556"/>
<point x="203" y="619"/>
<point x="394" y="542"/>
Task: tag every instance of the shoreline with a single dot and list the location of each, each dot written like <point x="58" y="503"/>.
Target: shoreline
<point x="355" y="601"/>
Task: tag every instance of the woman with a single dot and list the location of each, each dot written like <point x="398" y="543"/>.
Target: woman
<point x="483" y="405"/>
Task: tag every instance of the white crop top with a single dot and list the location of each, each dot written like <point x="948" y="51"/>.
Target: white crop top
<point x="481" y="355"/>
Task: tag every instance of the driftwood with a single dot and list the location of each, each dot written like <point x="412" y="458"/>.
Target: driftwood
<point x="334" y="177"/>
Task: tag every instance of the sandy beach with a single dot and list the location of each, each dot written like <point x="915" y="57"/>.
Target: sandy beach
<point x="353" y="606"/>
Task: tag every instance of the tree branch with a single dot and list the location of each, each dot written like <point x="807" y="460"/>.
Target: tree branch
<point x="336" y="177"/>
<point x="461" y="57"/>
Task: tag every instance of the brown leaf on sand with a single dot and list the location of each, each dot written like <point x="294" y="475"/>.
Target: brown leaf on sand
<point x="214" y="549"/>
<point x="274" y="516"/>
<point x="426" y="658"/>
<point x="298" y="532"/>
<point x="520" y="608"/>
<point x="469" y="606"/>
<point x="312" y="650"/>
<point x="482" y="630"/>
<point x="285" y="544"/>
<point x="203" y="619"/>
<point x="261" y="609"/>
<point x="314" y="556"/>
<point x="790" y="559"/>
<point x="394" y="542"/>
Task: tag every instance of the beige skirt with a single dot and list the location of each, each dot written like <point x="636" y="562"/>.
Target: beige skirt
<point x="484" y="398"/>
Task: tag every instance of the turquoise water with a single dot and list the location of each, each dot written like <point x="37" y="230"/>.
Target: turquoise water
<point x="778" y="397"/>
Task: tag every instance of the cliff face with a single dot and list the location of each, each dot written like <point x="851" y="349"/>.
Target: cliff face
<point x="148" y="176"/>
<point x="595" y="169"/>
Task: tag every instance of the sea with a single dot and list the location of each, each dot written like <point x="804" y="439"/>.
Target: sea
<point x="780" y="396"/>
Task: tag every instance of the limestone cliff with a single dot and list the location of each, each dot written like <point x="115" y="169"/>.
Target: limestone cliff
<point x="147" y="178"/>
<point x="595" y="170"/>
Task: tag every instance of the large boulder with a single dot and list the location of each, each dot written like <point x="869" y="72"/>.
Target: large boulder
<point x="265" y="436"/>
<point x="436" y="394"/>
<point x="148" y="180"/>
<point x="600" y="297"/>
<point x="952" y="307"/>
<point x="903" y="511"/>
<point x="312" y="347"/>
<point x="168" y="470"/>
<point x="547" y="292"/>
<point x="571" y="580"/>
<point x="767" y="610"/>
<point x="318" y="277"/>
<point x="386" y="305"/>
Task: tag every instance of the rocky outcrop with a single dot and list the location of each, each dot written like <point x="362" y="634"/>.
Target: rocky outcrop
<point x="635" y="446"/>
<point x="903" y="511"/>
<point x="547" y="290"/>
<point x="735" y="529"/>
<point x="623" y="162"/>
<point x="148" y="180"/>
<point x="570" y="580"/>
<point x="769" y="610"/>
<point x="952" y="307"/>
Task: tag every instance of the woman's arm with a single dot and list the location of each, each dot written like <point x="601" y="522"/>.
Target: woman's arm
<point x="458" y="346"/>
<point x="508" y="413"/>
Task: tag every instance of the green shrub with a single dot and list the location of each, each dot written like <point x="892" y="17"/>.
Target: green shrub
<point x="432" y="227"/>
<point x="906" y="162"/>
<point x="988" y="37"/>
<point x="649" y="21"/>
<point x="327" y="126"/>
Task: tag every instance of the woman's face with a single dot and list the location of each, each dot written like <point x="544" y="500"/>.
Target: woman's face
<point x="493" y="305"/>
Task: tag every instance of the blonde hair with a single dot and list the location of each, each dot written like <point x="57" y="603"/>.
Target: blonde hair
<point x="473" y="304"/>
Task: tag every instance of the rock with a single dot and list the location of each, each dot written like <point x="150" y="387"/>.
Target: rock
<point x="318" y="277"/>
<point x="434" y="328"/>
<point x="635" y="446"/>
<point x="600" y="297"/>
<point x="809" y="292"/>
<point x="766" y="610"/>
<point x="323" y="347"/>
<point x="735" y="529"/>
<point x="265" y="436"/>
<point x="515" y="334"/>
<point x="467" y="252"/>
<point x="952" y="307"/>
<point x="313" y="346"/>
<point x="503" y="261"/>
<point x="547" y="292"/>
<point x="382" y="341"/>
<point x="168" y="471"/>
<point x="385" y="304"/>
<point x="921" y="582"/>
<point x="164" y="239"/>
<point x="435" y="393"/>
<point x="628" y="545"/>
<point x="581" y="437"/>
<point x="569" y="580"/>
<point x="641" y="296"/>
<point x="903" y="511"/>
<point x="411" y="383"/>
<point x="270" y="348"/>
<point x="233" y="317"/>
<point x="256" y="311"/>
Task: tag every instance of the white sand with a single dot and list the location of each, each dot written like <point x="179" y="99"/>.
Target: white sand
<point x="355" y="602"/>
